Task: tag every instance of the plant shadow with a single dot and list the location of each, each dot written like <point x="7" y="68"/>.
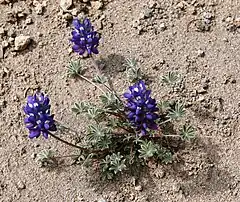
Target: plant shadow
<point x="112" y="65"/>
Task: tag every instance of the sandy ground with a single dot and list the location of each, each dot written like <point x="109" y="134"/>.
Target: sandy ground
<point x="199" y="39"/>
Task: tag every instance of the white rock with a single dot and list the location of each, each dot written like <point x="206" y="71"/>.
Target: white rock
<point x="75" y="12"/>
<point x="138" y="188"/>
<point x="67" y="16"/>
<point x="21" y="42"/>
<point x="2" y="31"/>
<point x="28" y="21"/>
<point x="39" y="9"/>
<point x="65" y="4"/>
<point x="1" y="52"/>
<point x="96" y="5"/>
<point x="5" y="44"/>
<point x="162" y="26"/>
<point x="200" y="53"/>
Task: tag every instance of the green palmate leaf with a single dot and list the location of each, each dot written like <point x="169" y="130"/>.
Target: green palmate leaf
<point x="167" y="157"/>
<point x="99" y="136"/>
<point x="117" y="163"/>
<point x="133" y="72"/>
<point x="177" y="112"/>
<point x="148" y="149"/>
<point x="130" y="63"/>
<point x="110" y="101"/>
<point x="100" y="79"/>
<point x="104" y="142"/>
<point x="46" y="158"/>
<point x="164" y="106"/>
<point x="95" y="114"/>
<point x="113" y="164"/>
<point x="75" y="68"/>
<point x="171" y="78"/>
<point x="164" y="155"/>
<point x="187" y="133"/>
<point x="81" y="107"/>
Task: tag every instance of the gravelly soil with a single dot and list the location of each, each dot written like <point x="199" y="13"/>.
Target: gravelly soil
<point x="163" y="36"/>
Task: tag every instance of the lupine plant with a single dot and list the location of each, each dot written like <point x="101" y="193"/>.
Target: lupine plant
<point x="125" y="130"/>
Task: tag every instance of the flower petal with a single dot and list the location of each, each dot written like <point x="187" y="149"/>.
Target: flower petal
<point x="34" y="134"/>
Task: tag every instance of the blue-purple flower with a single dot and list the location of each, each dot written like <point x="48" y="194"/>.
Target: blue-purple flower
<point x="141" y="108"/>
<point x="39" y="120"/>
<point x="84" y="37"/>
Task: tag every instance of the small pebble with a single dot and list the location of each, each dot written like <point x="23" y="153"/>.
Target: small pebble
<point x="162" y="26"/>
<point x="200" y="53"/>
<point x="138" y="188"/>
<point x="21" y="42"/>
<point x="28" y="21"/>
<point x="5" y="44"/>
<point x="96" y="5"/>
<point x="66" y="4"/>
<point x="2" y="32"/>
<point x="39" y="9"/>
<point x="20" y="185"/>
<point x="67" y="16"/>
<point x="1" y="52"/>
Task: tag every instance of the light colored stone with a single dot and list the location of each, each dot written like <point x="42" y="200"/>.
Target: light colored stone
<point x="20" y="185"/>
<point x="5" y="44"/>
<point x="75" y="12"/>
<point x="39" y="9"/>
<point x="28" y="21"/>
<point x="21" y="42"/>
<point x="11" y="40"/>
<point x="152" y="3"/>
<point x="162" y="26"/>
<point x="96" y="5"/>
<point x="200" y="53"/>
<point x="65" y="4"/>
<point x="2" y="31"/>
<point x="1" y="52"/>
<point x="138" y="188"/>
<point x="67" y="16"/>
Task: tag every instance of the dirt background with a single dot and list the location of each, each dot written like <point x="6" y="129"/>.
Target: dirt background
<point x="199" y="39"/>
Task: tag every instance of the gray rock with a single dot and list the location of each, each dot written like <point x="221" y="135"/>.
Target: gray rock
<point x="21" y="42"/>
<point x="66" y="4"/>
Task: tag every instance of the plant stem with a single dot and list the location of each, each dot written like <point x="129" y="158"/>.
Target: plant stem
<point x="165" y="121"/>
<point x="73" y="145"/>
<point x="172" y="136"/>
<point x="68" y="156"/>
<point x="89" y="81"/>
<point x="110" y="87"/>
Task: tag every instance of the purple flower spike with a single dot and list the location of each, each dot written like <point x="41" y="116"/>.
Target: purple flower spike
<point x="84" y="38"/>
<point x="39" y="120"/>
<point x="141" y="108"/>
